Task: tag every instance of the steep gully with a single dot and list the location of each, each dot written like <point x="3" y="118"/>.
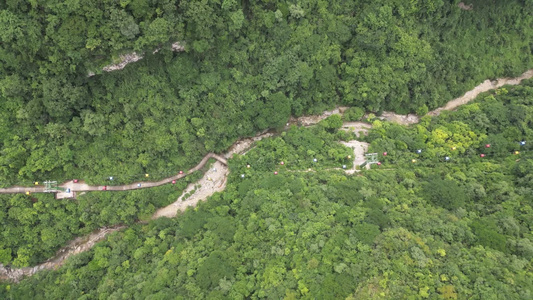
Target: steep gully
<point x="214" y="180"/>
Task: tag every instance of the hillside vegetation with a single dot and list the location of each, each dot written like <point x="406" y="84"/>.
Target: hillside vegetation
<point x="417" y="226"/>
<point x="432" y="229"/>
<point x="35" y="226"/>
<point x="248" y="66"/>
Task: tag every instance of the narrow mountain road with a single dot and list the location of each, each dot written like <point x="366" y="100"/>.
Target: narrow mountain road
<point x="82" y="187"/>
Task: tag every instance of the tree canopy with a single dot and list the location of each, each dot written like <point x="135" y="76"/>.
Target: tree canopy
<point x="431" y="229"/>
<point x="246" y="67"/>
<point x="443" y="223"/>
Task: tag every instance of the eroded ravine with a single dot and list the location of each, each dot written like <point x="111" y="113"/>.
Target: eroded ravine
<point x="78" y="245"/>
<point x="215" y="180"/>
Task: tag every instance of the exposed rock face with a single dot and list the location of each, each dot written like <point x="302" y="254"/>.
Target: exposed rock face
<point x="125" y="59"/>
<point x="177" y="47"/>
<point x="465" y="7"/>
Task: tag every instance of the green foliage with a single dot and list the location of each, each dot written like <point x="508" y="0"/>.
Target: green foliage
<point x="353" y="114"/>
<point x="296" y="148"/>
<point x="331" y="123"/>
<point x="429" y="230"/>
<point x="487" y="235"/>
<point x="34" y="227"/>
<point x="215" y="268"/>
<point x="445" y="193"/>
<point x="499" y="120"/>
<point x="422" y="110"/>
<point x="247" y="67"/>
<point x="366" y="232"/>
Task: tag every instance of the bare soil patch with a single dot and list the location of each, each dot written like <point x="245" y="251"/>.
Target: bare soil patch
<point x="213" y="181"/>
<point x="464" y="6"/>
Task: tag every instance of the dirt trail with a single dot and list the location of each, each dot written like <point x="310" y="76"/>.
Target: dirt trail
<point x="485" y="86"/>
<point x="78" y="245"/>
<point x="215" y="181"/>
<point x="357" y="127"/>
<point x="313" y="119"/>
<point x="243" y="145"/>
<point x="399" y="119"/>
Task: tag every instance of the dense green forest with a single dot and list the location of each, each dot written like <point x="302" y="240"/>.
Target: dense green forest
<point x="432" y="229"/>
<point x="248" y="65"/>
<point x="34" y="227"/>
<point x="443" y="223"/>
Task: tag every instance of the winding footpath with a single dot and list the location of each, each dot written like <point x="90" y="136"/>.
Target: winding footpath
<point x="82" y="187"/>
<point x="215" y="179"/>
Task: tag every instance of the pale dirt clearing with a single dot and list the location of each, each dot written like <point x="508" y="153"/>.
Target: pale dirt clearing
<point x="464" y="6"/>
<point x="212" y="182"/>
<point x="399" y="119"/>
<point x="359" y="150"/>
<point x="124" y="60"/>
<point x="178" y="46"/>
<point x="313" y="119"/>
<point x="243" y="145"/>
<point x="356" y="127"/>
<point x="129" y="58"/>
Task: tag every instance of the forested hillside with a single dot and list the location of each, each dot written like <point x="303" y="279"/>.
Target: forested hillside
<point x="416" y="227"/>
<point x="248" y="65"/>
<point x="35" y="226"/>
<point x="453" y="221"/>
